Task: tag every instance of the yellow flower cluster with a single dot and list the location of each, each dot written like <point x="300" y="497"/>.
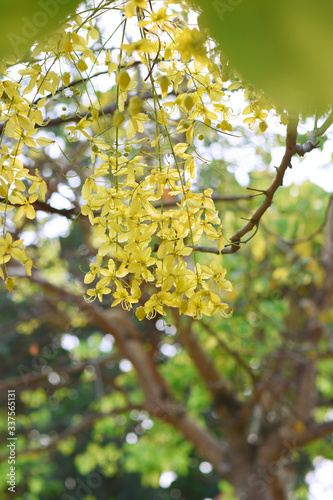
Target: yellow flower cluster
<point x="142" y="240"/>
<point x="18" y="186"/>
<point x="152" y="245"/>
<point x="141" y="158"/>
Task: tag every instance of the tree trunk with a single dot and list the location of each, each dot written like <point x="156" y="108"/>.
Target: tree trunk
<point x="251" y="482"/>
<point x="260" y="476"/>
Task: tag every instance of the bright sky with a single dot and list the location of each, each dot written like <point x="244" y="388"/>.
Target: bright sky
<point x="321" y="480"/>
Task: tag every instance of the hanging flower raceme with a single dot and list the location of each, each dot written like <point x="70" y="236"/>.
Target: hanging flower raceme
<point x="139" y="189"/>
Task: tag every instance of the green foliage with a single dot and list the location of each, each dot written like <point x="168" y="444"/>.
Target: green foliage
<point x="280" y="47"/>
<point x="105" y="457"/>
<point x="29" y="21"/>
<point x="34" y="399"/>
<point x="157" y="451"/>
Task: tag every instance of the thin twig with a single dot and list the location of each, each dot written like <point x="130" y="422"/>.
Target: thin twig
<point x="216" y="199"/>
<point x="296" y="241"/>
<point x="235" y="240"/>
<point x="312" y="143"/>
<point x="230" y="351"/>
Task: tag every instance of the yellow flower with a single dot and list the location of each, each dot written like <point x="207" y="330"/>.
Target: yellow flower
<point x="130" y="7"/>
<point x="223" y="308"/>
<point x="169" y="272"/>
<point x="94" y="271"/>
<point x="28" y="265"/>
<point x="123" y="79"/>
<point x="9" y="284"/>
<point x="135" y="105"/>
<point x="140" y="265"/>
<point x="164" y="83"/>
<point x="111" y="65"/>
<point x="199" y="304"/>
<point x="191" y="43"/>
<point x="123" y="297"/>
<point x="140" y="313"/>
<point x="10" y="247"/>
<point x="156" y="304"/>
<point x="26" y="209"/>
<point x="99" y="291"/>
<point x="217" y="275"/>
<point x="160" y="15"/>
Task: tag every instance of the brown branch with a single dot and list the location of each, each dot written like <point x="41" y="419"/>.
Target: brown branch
<point x="269" y="193"/>
<point x="312" y="143"/>
<point x="70" y="213"/>
<point x="108" y="110"/>
<point x="32" y="378"/>
<point x="230" y="351"/>
<point x="71" y="84"/>
<point x="235" y="240"/>
<point x="296" y="241"/>
<point x="312" y="433"/>
<point x="84" y="80"/>
<point x="263" y="384"/>
<point x="88" y="420"/>
<point x="205" y="441"/>
<point x="291" y="149"/>
<point x="233" y="198"/>
<point x="214" y="198"/>
<point x="214" y="250"/>
<point x="224" y="399"/>
<point x="158" y="398"/>
<point x="53" y="122"/>
<point x="305" y="389"/>
<point x="322" y="402"/>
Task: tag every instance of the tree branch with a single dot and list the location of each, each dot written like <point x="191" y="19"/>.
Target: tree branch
<point x="70" y="213"/>
<point x="158" y="398"/>
<point x="88" y="420"/>
<point x="214" y="198"/>
<point x="230" y="351"/>
<point x="108" y="110"/>
<point x="225" y="400"/>
<point x="32" y="378"/>
<point x="296" y="241"/>
<point x="313" y="433"/>
<point x="312" y="143"/>
<point x="291" y="149"/>
<point x="235" y="240"/>
<point x="269" y="193"/>
<point x="325" y="296"/>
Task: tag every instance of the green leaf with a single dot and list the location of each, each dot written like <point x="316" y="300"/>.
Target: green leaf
<point x="280" y="47"/>
<point x="27" y="21"/>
